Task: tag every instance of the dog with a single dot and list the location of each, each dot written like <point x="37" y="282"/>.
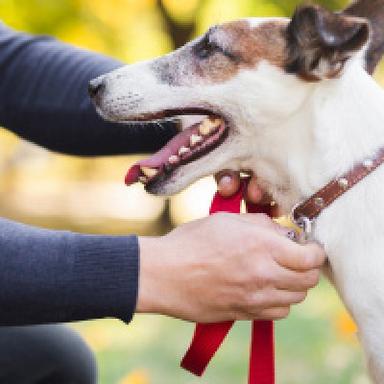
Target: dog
<point x="292" y="101"/>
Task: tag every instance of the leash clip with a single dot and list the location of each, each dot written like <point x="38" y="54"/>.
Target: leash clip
<point x="304" y="223"/>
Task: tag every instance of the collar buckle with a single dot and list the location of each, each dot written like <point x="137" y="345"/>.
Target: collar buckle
<point x="303" y="222"/>
<point x="306" y="225"/>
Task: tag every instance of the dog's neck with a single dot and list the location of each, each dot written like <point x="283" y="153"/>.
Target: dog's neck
<point x="339" y="124"/>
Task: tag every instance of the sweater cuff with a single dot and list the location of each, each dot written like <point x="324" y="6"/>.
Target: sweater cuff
<point x="104" y="277"/>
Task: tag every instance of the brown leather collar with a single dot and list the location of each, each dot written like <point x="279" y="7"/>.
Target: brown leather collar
<point x="312" y="208"/>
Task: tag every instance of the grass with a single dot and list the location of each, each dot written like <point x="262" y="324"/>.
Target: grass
<point x="316" y="345"/>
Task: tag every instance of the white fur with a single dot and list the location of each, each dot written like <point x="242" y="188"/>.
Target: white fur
<point x="257" y="21"/>
<point x="296" y="137"/>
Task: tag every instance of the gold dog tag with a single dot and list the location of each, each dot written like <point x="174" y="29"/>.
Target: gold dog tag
<point x="286" y="222"/>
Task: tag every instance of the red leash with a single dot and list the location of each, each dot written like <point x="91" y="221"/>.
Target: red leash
<point x="209" y="337"/>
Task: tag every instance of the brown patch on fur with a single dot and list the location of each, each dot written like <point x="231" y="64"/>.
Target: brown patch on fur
<point x="373" y="10"/>
<point x="223" y="52"/>
<point x="244" y="47"/>
<point x="254" y="44"/>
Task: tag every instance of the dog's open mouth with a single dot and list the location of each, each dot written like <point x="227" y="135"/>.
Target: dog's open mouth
<point x="190" y="144"/>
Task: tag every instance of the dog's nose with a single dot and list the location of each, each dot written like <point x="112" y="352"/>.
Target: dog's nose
<point x="96" y="87"/>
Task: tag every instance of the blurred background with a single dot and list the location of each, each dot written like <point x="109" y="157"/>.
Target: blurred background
<point x="316" y="345"/>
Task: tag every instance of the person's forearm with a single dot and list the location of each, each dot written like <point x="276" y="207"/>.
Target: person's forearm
<point x="43" y="98"/>
<point x="53" y="276"/>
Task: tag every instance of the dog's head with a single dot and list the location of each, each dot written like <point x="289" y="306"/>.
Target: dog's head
<point x="233" y="90"/>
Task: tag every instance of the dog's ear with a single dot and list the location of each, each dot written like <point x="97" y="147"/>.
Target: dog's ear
<point x="373" y="11"/>
<point x="320" y="42"/>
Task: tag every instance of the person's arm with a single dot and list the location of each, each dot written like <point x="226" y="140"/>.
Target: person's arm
<point x="43" y="98"/>
<point x="56" y="276"/>
<point x="194" y="273"/>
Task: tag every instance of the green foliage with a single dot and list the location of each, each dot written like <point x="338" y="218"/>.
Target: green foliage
<point x="113" y="26"/>
<point x="315" y="346"/>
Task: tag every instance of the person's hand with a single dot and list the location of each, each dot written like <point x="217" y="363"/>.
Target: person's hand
<point x="228" y="183"/>
<point x="226" y="267"/>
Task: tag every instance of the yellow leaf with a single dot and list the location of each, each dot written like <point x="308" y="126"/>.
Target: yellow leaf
<point x="136" y="377"/>
<point x="345" y="325"/>
<point x="181" y="10"/>
<point x="84" y="36"/>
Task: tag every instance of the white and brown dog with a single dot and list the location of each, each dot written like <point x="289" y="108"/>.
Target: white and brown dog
<point x="291" y="100"/>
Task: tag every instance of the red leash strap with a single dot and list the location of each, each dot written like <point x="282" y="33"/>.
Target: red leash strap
<point x="262" y="358"/>
<point x="209" y="337"/>
<point x="206" y="341"/>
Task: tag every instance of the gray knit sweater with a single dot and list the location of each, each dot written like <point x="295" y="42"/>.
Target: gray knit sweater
<point x="53" y="276"/>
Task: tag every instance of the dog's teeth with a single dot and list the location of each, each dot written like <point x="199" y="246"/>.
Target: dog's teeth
<point x="195" y="139"/>
<point x="205" y="128"/>
<point x="208" y="125"/>
<point x="184" y="151"/>
<point x="143" y="179"/>
<point x="149" y="172"/>
<point x="215" y="123"/>
<point x="174" y="159"/>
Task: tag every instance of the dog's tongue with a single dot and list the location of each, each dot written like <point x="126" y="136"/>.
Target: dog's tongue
<point x="159" y="159"/>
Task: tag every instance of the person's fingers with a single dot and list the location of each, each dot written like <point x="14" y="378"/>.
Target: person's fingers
<point x="298" y="257"/>
<point x="262" y="220"/>
<point x="275" y="298"/>
<point x="228" y="183"/>
<point x="271" y="304"/>
<point x="258" y="221"/>
<point x="293" y="281"/>
<point x="254" y="193"/>
<point x="275" y="211"/>
<point x="274" y="313"/>
<point x="277" y="313"/>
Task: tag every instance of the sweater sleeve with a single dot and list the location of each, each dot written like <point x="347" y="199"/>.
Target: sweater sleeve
<point x="43" y="98"/>
<point x="53" y="276"/>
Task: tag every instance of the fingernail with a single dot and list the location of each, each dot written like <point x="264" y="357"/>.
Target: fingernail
<point x="225" y="181"/>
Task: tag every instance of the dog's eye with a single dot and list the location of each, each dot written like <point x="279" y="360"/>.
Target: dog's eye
<point x="206" y="48"/>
